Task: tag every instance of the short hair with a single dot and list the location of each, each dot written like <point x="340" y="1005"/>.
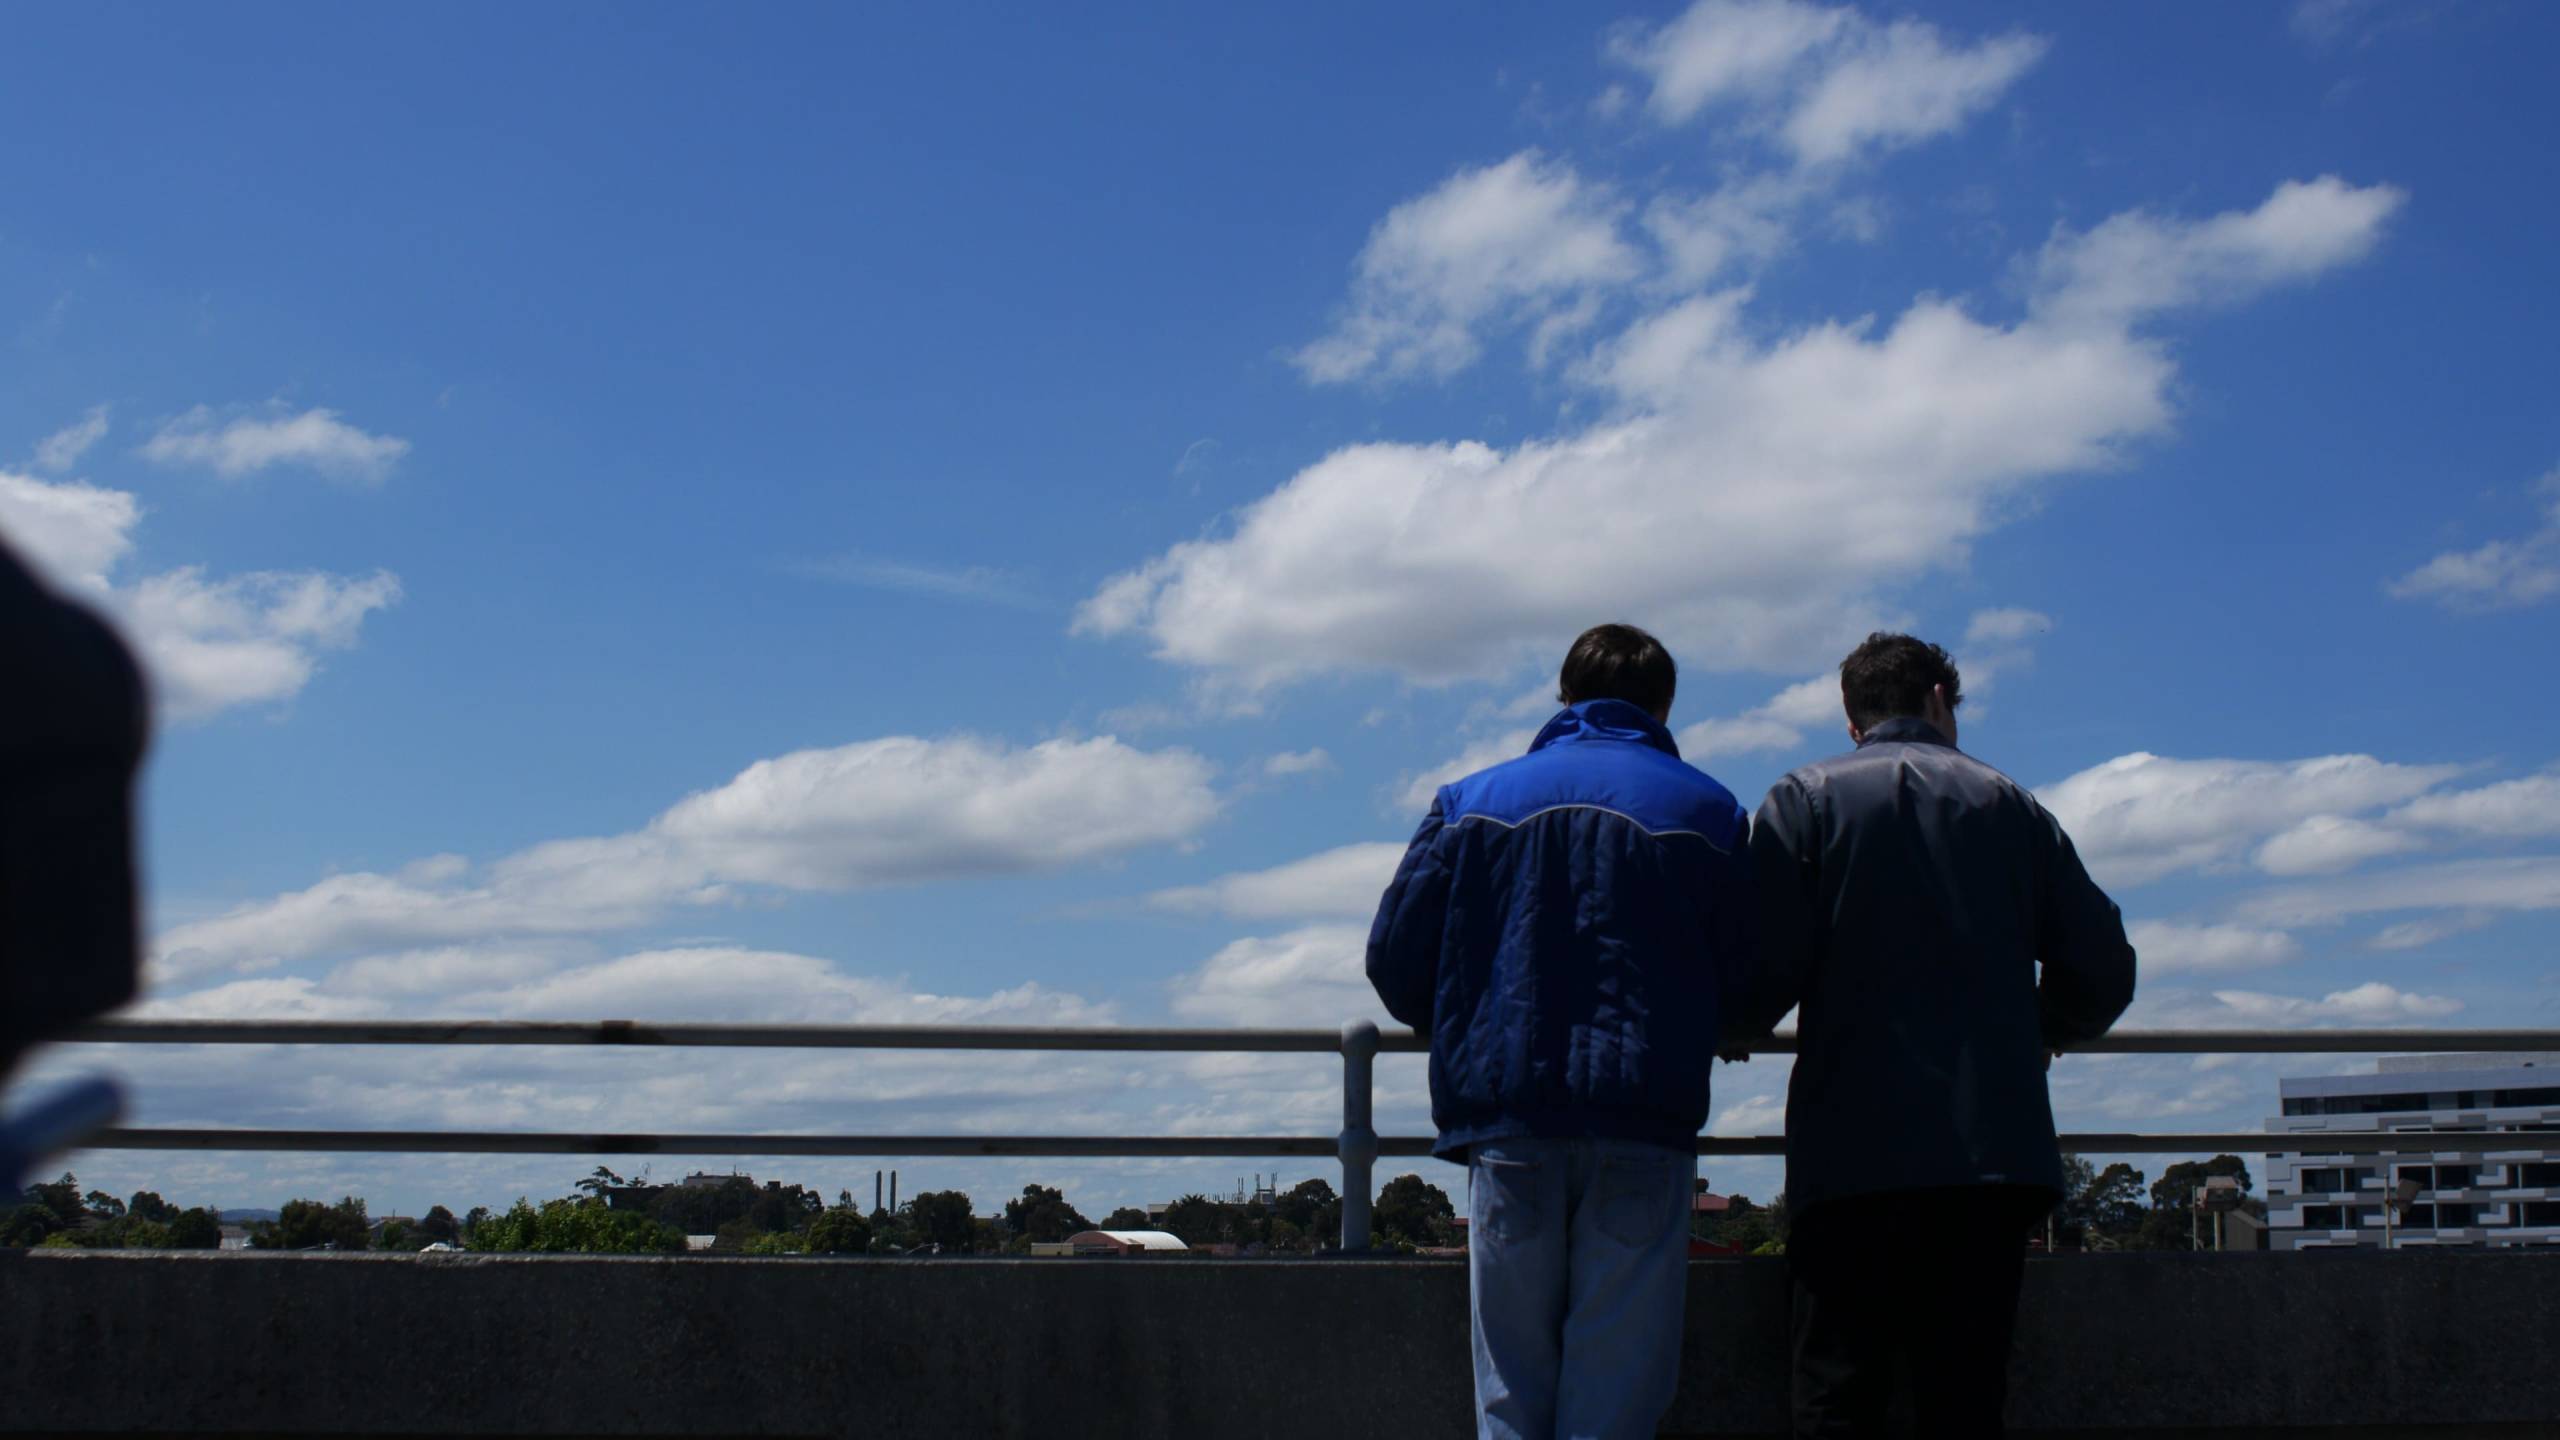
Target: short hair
<point x="1618" y="662"/>
<point x="1890" y="676"/>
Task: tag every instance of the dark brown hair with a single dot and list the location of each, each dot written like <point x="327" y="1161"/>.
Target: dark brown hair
<point x="1890" y="676"/>
<point x="1618" y="662"/>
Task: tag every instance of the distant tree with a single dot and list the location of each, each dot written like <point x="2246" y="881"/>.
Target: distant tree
<point x="775" y="1242"/>
<point x="28" y="1224"/>
<point x="942" y="1217"/>
<point x="1043" y="1215"/>
<point x="310" y="1225"/>
<point x="62" y="1197"/>
<point x="1127" y="1217"/>
<point x="198" y="1228"/>
<point x="1416" y="1212"/>
<point x="103" y="1206"/>
<point x="2112" y="1203"/>
<point x="394" y="1235"/>
<point x="147" y="1205"/>
<point x="583" y="1225"/>
<point x="438" y="1224"/>
<point x="2177" y="1186"/>
<point x="1196" y="1220"/>
<point x="1313" y="1210"/>
<point x="784" y="1207"/>
<point x="599" y="1182"/>
<point x="841" y="1230"/>
<point x="143" y="1235"/>
<point x="703" y="1209"/>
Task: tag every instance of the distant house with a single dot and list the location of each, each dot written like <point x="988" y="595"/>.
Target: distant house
<point x="235" y="1237"/>
<point x="1042" y="1248"/>
<point x="1123" y="1242"/>
<point x="698" y="1244"/>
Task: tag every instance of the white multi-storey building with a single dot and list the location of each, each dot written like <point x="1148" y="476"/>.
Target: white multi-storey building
<point x="2503" y="1198"/>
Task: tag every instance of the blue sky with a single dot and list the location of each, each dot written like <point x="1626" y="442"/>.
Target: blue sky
<point x="959" y="515"/>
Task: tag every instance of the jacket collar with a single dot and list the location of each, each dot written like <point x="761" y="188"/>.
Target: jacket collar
<point x="1905" y="729"/>
<point x="1605" y="720"/>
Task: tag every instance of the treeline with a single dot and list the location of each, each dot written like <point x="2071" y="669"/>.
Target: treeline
<point x="2117" y="1208"/>
<point x="58" y="1215"/>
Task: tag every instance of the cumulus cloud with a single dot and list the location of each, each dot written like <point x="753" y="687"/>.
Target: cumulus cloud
<point x="2139" y="817"/>
<point x="2372" y="1003"/>
<point x="1414" y="792"/>
<point x="2167" y="948"/>
<point x="1343" y="882"/>
<point x="2005" y="627"/>
<point x="2509" y="809"/>
<point x="2500" y="883"/>
<point x="1826" y="83"/>
<point x="315" y="439"/>
<point x="1750" y="496"/>
<point x="2140" y="263"/>
<point x="899" y="810"/>
<point x="209" y="643"/>
<point x="1779" y="723"/>
<point x="1315" y="975"/>
<point x="2502" y="574"/>
<point x="63" y="448"/>
<point x="2326" y="844"/>
<point x="1511" y="243"/>
<point x="1297" y="762"/>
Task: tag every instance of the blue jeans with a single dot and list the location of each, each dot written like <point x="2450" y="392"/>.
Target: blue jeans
<point x="1578" y="1263"/>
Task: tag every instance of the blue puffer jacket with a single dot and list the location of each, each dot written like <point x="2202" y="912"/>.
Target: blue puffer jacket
<point x="1567" y="928"/>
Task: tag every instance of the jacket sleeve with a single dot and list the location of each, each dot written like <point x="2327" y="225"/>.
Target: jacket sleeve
<point x="1404" y="943"/>
<point x="1733" y="920"/>
<point x="2087" y="962"/>
<point x="1785" y="848"/>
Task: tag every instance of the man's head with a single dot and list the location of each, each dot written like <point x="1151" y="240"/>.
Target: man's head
<point x="1892" y="677"/>
<point x="1619" y="662"/>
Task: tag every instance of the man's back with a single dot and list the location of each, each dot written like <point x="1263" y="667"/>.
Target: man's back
<point x="1563" y="929"/>
<point x="1910" y="893"/>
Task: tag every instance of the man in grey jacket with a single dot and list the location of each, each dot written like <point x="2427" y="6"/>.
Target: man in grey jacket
<point x="1941" y="940"/>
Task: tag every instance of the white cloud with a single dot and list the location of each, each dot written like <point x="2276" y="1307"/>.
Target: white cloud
<point x="1755" y="1115"/>
<point x="892" y="811"/>
<point x="1510" y="243"/>
<point x="2166" y="948"/>
<point x="317" y="439"/>
<point x="214" y="644"/>
<point x="1826" y="82"/>
<point x="967" y="582"/>
<point x="1900" y="85"/>
<point x="2141" y="816"/>
<point x="209" y="644"/>
<point x="2004" y="627"/>
<point x="1819" y="468"/>
<point x="2504" y="883"/>
<point x="1315" y="975"/>
<point x="2509" y="809"/>
<point x="2502" y="574"/>
<point x="1298" y="762"/>
<point x="282" y="998"/>
<point x="2326" y="844"/>
<point x="2136" y="264"/>
<point x="1414" y="792"/>
<point x="1343" y="882"/>
<point x="72" y="533"/>
<point x="63" y="448"/>
<point x="2418" y="934"/>
<point x="2372" y="1003"/>
<point x="1778" y="724"/>
<point x="725" y="983"/>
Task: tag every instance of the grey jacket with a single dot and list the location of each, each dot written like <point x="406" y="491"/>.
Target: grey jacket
<point x="1908" y="894"/>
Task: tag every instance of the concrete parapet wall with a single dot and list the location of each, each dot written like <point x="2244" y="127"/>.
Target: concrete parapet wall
<point x="594" y="1346"/>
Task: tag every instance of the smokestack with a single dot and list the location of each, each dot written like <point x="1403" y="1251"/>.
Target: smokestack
<point x="875" y="1191"/>
<point x="893" y="1192"/>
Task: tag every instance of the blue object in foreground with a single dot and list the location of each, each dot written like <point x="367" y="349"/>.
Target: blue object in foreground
<point x="54" y="1124"/>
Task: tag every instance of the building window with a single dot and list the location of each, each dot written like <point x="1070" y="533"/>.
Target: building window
<point x="2324" y="1217"/>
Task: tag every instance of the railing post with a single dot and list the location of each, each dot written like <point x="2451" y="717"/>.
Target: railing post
<point x="1359" y="1143"/>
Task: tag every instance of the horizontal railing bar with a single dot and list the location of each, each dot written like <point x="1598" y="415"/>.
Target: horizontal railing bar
<point x="501" y="1142"/>
<point x="1125" y="1038"/>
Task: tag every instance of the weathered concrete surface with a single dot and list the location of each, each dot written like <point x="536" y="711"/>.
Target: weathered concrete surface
<point x="2442" y="1344"/>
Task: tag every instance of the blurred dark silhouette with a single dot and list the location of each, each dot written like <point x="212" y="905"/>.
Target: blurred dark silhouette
<point x="73" y="723"/>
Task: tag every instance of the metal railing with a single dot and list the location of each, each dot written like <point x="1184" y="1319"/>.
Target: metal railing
<point x="1357" y="1146"/>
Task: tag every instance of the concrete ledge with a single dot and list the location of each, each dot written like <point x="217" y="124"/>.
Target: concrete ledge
<point x="2232" y="1345"/>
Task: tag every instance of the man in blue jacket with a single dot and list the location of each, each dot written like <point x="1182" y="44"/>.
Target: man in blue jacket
<point x="1565" y="928"/>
